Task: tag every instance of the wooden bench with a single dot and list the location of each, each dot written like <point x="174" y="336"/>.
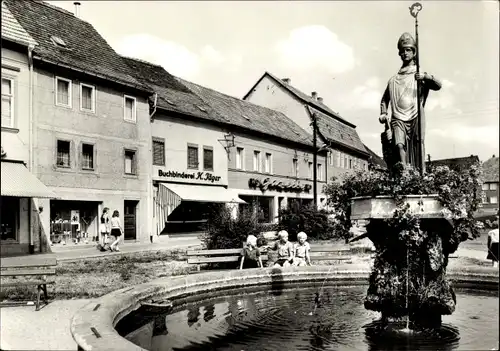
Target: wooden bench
<point x="41" y="267"/>
<point x="317" y="253"/>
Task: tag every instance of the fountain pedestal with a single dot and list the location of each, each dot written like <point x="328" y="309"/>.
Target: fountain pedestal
<point x="408" y="278"/>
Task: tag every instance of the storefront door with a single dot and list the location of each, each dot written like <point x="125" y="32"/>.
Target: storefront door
<point x="129" y="220"/>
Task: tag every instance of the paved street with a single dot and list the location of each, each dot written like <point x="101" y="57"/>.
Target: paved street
<point x="75" y="252"/>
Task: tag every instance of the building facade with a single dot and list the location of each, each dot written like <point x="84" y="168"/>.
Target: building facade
<point x="346" y="151"/>
<point x="91" y="130"/>
<point x="271" y="163"/>
<point x="21" y="217"/>
<point x="491" y="178"/>
<point x="189" y="164"/>
<point x="209" y="147"/>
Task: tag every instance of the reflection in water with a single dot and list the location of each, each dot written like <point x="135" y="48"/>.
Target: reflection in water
<point x="394" y="336"/>
<point x="209" y="312"/>
<point x="264" y="321"/>
<point x="160" y="326"/>
<point x="193" y="315"/>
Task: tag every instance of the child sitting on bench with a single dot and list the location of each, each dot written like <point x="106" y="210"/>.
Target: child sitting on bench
<point x="251" y="254"/>
<point x="301" y="251"/>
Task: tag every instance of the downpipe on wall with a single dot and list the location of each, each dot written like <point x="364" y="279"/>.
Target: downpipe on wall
<point x="31" y="162"/>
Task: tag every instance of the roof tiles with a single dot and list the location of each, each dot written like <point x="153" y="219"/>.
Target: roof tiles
<point x="85" y="49"/>
<point x="253" y="117"/>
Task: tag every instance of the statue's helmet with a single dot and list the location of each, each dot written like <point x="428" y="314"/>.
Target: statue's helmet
<point x="406" y="41"/>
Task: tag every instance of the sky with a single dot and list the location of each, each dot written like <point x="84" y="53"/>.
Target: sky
<point x="344" y="50"/>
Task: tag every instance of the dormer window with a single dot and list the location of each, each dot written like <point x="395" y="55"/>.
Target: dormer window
<point x="58" y="41"/>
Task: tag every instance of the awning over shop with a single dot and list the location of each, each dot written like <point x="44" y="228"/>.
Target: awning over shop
<point x="203" y="193"/>
<point x="169" y="196"/>
<point x="18" y="181"/>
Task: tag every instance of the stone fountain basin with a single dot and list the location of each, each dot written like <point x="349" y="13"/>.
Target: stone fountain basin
<point x="383" y="207"/>
<point x="93" y="326"/>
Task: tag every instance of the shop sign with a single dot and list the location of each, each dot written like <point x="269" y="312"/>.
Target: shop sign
<point x="276" y="185"/>
<point x="205" y="176"/>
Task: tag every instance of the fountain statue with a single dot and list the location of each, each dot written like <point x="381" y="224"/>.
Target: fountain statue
<point x="411" y="231"/>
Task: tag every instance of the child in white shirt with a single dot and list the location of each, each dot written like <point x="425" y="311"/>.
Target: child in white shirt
<point x="301" y="251"/>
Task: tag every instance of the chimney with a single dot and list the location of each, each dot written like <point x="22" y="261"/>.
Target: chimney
<point x="286" y="80"/>
<point x="77" y="8"/>
<point x="314" y="95"/>
<point x="320" y="99"/>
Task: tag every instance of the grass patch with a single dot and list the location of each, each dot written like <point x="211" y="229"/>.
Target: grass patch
<point x="91" y="278"/>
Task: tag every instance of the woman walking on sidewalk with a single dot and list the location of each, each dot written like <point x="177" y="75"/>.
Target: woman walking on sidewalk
<point x="116" y="230"/>
<point x="103" y="230"/>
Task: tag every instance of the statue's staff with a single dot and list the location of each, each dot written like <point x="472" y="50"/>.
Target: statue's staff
<point x="414" y="10"/>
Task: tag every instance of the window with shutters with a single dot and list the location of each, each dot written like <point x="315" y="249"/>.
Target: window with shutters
<point x="208" y="158"/>
<point x="158" y="152"/>
<point x="192" y="156"/>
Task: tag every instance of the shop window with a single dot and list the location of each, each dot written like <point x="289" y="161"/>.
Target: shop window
<point x="129" y="108"/>
<point x="208" y="158"/>
<point x="9" y="207"/>
<point x="63" y="154"/>
<point x="87" y="98"/>
<point x="88" y="156"/>
<point x="264" y="209"/>
<point x="63" y="92"/>
<point x="158" y="152"/>
<point x="192" y="157"/>
<point x="295" y="167"/>
<point x="130" y="162"/>
<point x="7" y="103"/>
<point x="256" y="161"/>
<point x="239" y="158"/>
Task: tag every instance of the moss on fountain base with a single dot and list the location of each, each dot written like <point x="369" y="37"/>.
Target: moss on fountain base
<point x="409" y="272"/>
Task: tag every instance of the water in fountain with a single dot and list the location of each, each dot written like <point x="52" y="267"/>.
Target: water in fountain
<point x="257" y="319"/>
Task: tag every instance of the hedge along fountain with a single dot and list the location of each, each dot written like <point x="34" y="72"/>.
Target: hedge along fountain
<point x="413" y="229"/>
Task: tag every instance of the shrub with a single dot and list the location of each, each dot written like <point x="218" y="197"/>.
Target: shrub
<point x="315" y="223"/>
<point x="457" y="191"/>
<point x="224" y="232"/>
